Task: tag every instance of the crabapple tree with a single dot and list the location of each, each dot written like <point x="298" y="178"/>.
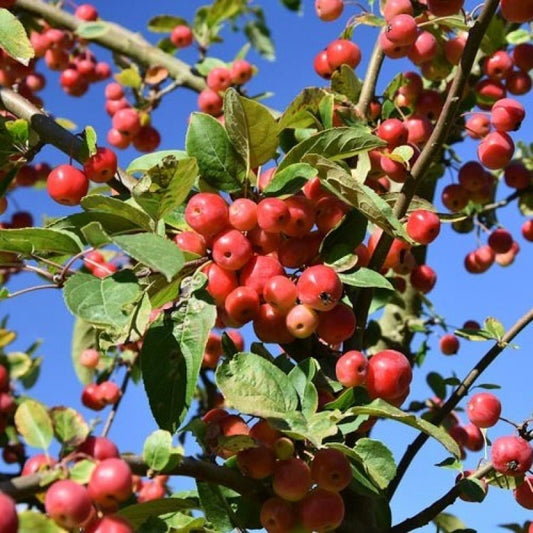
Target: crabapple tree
<point x="265" y="280"/>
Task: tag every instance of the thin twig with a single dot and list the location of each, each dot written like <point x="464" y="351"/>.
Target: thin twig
<point x="114" y="409"/>
<point x="32" y="289"/>
<point x="458" y="394"/>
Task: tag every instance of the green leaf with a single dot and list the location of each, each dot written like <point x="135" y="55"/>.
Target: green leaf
<point x="205" y="66"/>
<point x="256" y="386"/>
<point x="495" y="479"/>
<point x="251" y="128"/>
<point x="216" y="508"/>
<point x="338" y="245"/>
<point x="147" y="161"/>
<point x="166" y="185"/>
<point x="345" y="81"/>
<point x="83" y="336"/>
<point x="293" y="5"/>
<point x="13" y="38"/>
<point x="69" y="427"/>
<point x="138" y="513"/>
<point x="451" y="463"/>
<point x="156" y="252"/>
<point x="165" y="23"/>
<point x="34" y="423"/>
<point x="222" y="10"/>
<point x="314" y="428"/>
<point x="259" y="36"/>
<point x="92" y="30"/>
<point x="19" y="363"/>
<point x="525" y="203"/>
<point x="437" y="384"/>
<point x="303" y="110"/>
<point x="95" y="225"/>
<point x="376" y="459"/>
<point x="157" y="449"/>
<point x="494" y="327"/>
<point x="360" y="196"/>
<point x="129" y="77"/>
<point x="334" y="143"/>
<point x="104" y="303"/>
<point x="381" y="408"/>
<point x="39" y="241"/>
<point x="19" y="131"/>
<point x="474" y="334"/>
<point x="472" y="489"/>
<point x="301" y="377"/>
<point x="172" y="354"/>
<point x="89" y="140"/>
<point x="119" y="208"/>
<point x="364" y="277"/>
<point x="448" y="523"/>
<point x="81" y="471"/>
<point x="220" y="165"/>
<point x="290" y="180"/>
<point x="34" y="522"/>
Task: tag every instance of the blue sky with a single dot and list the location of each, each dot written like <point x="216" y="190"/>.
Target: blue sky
<point x="505" y="293"/>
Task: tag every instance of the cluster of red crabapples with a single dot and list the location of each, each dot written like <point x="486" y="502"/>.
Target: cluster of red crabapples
<point x="62" y="51"/>
<point x="305" y="493"/>
<point x="67" y="184"/>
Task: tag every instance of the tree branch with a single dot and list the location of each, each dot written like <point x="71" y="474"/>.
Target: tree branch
<point x="458" y="394"/>
<point x="429" y="153"/>
<point x="50" y="132"/>
<point x="21" y="488"/>
<point x="121" y="41"/>
<point x="430" y="512"/>
<point x="371" y="78"/>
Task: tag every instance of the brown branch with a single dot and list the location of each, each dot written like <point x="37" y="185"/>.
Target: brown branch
<point x="430" y="151"/>
<point x="458" y="394"/>
<point x="49" y="131"/>
<point x="371" y="79"/>
<point x="24" y="487"/>
<point x="121" y="41"/>
<point x="429" y="513"/>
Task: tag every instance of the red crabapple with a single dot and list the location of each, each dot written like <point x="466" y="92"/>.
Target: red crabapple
<point x="302" y="321"/>
<point x="336" y="325"/>
<point x="389" y="375"/>
<point x="181" y="36"/>
<point x="483" y="409"/>
<point x="111" y="482"/>
<point x="331" y="470"/>
<point x="351" y="368"/>
<point x="523" y="494"/>
<point x="278" y="515"/>
<point x="291" y="479"/>
<point x="101" y="166"/>
<point x="343" y="52"/>
<point x="207" y="213"/>
<point x="527" y="230"/>
<point x="241" y="71"/>
<point x="402" y="30"/>
<point x="449" y="344"/>
<point x="500" y="240"/>
<point x="67" y="185"/>
<point x="321" y="510"/>
<point x="231" y="249"/>
<point x="423" y="226"/>
<point x="67" y="503"/>
<point x="320" y="287"/>
<point x="511" y="455"/>
<point x="110" y="524"/>
<point x="328" y="10"/>
<point x="9" y="522"/>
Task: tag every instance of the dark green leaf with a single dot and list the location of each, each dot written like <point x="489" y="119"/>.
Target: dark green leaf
<point x="451" y="463"/>
<point x="39" y="241"/>
<point x="364" y="277"/>
<point x="34" y="423"/>
<point x="216" y="508"/>
<point x="472" y="489"/>
<point x="301" y="377"/>
<point x="13" y="38"/>
<point x="255" y="386"/>
<point x="437" y="384"/>
<point x="339" y="244"/>
<point x="219" y="163"/>
<point x="165" y="23"/>
<point x="259" y="36"/>
<point x="381" y="408"/>
<point x="360" y="196"/>
<point x="104" y="303"/>
<point x="293" y="5"/>
<point x="92" y="30"/>
<point x="290" y="180"/>
<point x="138" y="513"/>
<point x="334" y="144"/>
<point x="172" y="354"/>
<point x="303" y="110"/>
<point x="345" y="81"/>
<point x="154" y="251"/>
<point x="251" y="128"/>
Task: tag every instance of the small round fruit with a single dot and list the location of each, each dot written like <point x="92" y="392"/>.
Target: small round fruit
<point x="351" y="368"/>
<point x="321" y="510"/>
<point x="111" y="482"/>
<point x="277" y="515"/>
<point x="67" y="503"/>
<point x="291" y="479"/>
<point x="331" y="470"/>
<point x="511" y="455"/>
<point x="483" y="409"/>
<point x="329" y="10"/>
<point x="181" y="36"/>
<point x="449" y="344"/>
<point x="67" y="185"/>
<point x="101" y="166"/>
<point x="523" y="494"/>
<point x="9" y="522"/>
<point x="389" y="375"/>
<point x="343" y="52"/>
<point x="319" y="287"/>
